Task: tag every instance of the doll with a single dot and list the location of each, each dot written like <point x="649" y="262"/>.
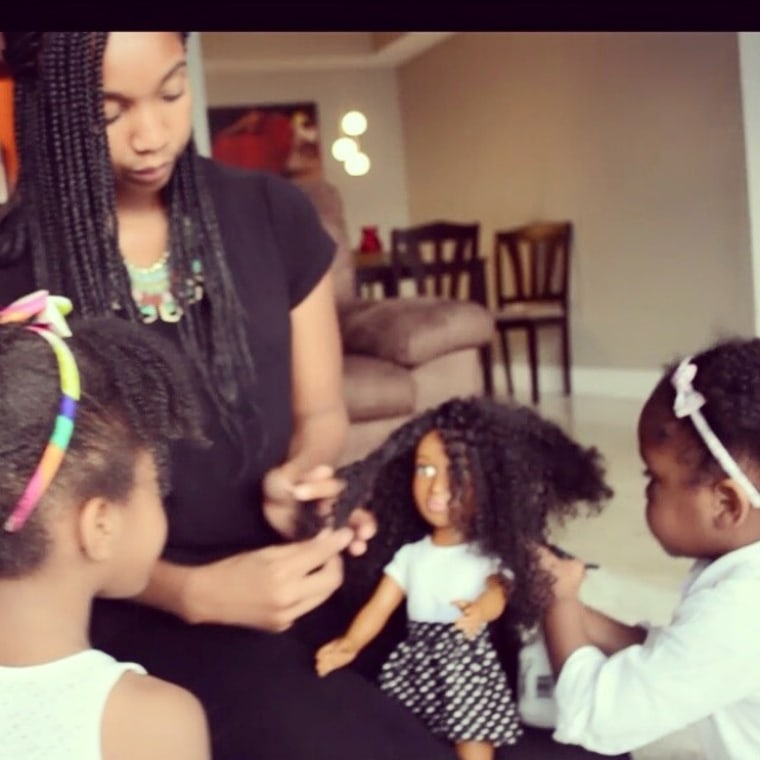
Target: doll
<point x="462" y="494"/>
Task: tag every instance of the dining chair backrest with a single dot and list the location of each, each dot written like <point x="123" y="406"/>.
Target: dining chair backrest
<point x="532" y="263"/>
<point x="443" y="259"/>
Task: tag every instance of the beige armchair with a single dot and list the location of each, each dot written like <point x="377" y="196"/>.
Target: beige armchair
<point x="401" y="355"/>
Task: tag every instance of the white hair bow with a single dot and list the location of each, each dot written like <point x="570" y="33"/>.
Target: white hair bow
<point x="687" y="403"/>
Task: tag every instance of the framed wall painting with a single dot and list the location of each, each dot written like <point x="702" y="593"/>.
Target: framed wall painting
<point x="280" y="138"/>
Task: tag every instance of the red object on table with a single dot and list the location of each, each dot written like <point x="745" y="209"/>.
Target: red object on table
<point x="370" y="242"/>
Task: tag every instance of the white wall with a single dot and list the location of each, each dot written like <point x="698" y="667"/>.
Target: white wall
<point x="378" y="198"/>
<point x="749" y="61"/>
<point x="198" y="83"/>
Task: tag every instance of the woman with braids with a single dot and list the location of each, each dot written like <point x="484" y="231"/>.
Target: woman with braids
<point x="462" y="494"/>
<point x="114" y="209"/>
<point x="620" y="687"/>
<point x="86" y="419"/>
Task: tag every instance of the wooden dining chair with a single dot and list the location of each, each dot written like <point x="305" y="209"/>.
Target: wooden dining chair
<point x="443" y="259"/>
<point x="532" y="270"/>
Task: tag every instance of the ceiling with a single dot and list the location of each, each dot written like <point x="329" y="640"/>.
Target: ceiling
<point x="280" y="51"/>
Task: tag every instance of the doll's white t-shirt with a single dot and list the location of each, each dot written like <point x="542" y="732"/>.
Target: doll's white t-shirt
<point x="433" y="576"/>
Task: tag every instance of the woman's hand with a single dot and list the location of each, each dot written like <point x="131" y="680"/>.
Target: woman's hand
<point x="335" y="654"/>
<point x="568" y="573"/>
<point x="285" y="490"/>
<point x="268" y="588"/>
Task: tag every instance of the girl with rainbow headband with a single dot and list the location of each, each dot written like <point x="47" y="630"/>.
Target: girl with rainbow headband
<point x="47" y="313"/>
<point x="699" y="437"/>
<point x="82" y="454"/>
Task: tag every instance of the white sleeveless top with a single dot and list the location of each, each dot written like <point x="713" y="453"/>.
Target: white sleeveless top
<point x="54" y="711"/>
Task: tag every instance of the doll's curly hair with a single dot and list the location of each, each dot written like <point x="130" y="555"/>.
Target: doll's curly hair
<point x="522" y="469"/>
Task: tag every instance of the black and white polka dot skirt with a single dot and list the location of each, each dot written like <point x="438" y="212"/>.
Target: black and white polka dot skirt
<point x="455" y="685"/>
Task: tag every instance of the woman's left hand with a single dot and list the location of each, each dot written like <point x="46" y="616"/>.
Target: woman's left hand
<point x="285" y="490"/>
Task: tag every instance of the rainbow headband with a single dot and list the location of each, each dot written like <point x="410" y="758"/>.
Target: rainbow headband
<point x="44" y="315"/>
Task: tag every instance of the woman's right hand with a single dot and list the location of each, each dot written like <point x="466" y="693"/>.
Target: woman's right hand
<point x="268" y="588"/>
<point x="335" y="654"/>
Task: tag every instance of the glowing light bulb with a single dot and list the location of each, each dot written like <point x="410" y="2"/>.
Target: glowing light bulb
<point x="354" y="123"/>
<point x="344" y="147"/>
<point x="357" y="164"/>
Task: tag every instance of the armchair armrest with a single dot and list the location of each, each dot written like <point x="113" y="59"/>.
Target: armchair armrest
<point x="412" y="331"/>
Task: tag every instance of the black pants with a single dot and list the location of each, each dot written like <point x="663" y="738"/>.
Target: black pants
<point x="265" y="702"/>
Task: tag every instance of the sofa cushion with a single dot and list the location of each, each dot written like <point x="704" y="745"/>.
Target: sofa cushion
<point x="458" y="373"/>
<point x="411" y="331"/>
<point x="367" y="435"/>
<point x="374" y="388"/>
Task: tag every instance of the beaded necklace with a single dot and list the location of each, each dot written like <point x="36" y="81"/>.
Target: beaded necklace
<point x="153" y="293"/>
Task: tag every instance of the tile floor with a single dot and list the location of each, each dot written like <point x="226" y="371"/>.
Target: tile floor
<point x="636" y="580"/>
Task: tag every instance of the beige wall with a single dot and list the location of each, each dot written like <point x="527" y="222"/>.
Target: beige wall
<point x="378" y="198"/>
<point x="259" y="47"/>
<point x="635" y="137"/>
<point x="382" y="39"/>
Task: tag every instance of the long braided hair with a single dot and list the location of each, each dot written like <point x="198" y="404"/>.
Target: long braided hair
<point x="63" y="213"/>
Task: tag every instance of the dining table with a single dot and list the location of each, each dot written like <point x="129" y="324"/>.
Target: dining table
<point x="373" y="269"/>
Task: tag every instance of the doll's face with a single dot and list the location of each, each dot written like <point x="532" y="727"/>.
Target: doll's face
<point x="432" y="492"/>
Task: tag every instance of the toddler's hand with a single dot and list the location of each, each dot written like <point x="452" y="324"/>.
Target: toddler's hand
<point x="568" y="573"/>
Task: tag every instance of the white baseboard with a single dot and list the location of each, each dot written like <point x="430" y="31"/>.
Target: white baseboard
<point x="586" y="381"/>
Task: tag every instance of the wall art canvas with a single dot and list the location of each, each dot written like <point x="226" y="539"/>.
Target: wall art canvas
<point x="280" y="138"/>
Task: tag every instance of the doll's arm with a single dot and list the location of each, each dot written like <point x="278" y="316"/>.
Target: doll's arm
<point x="369" y="621"/>
<point x="484" y="608"/>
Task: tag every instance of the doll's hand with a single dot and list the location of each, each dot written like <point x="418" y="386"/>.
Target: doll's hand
<point x="335" y="654"/>
<point x="471" y="621"/>
<point x="568" y="573"/>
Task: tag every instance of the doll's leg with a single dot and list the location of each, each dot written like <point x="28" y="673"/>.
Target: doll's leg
<point x="474" y="750"/>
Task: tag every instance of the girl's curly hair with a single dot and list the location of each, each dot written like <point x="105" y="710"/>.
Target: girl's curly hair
<point x="522" y="469"/>
<point x="136" y="395"/>
<point x="727" y="377"/>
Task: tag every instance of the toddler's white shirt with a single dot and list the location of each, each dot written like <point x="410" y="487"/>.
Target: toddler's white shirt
<point x="704" y="667"/>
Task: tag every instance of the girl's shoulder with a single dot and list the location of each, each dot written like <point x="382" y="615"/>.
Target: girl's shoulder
<point x="148" y="702"/>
